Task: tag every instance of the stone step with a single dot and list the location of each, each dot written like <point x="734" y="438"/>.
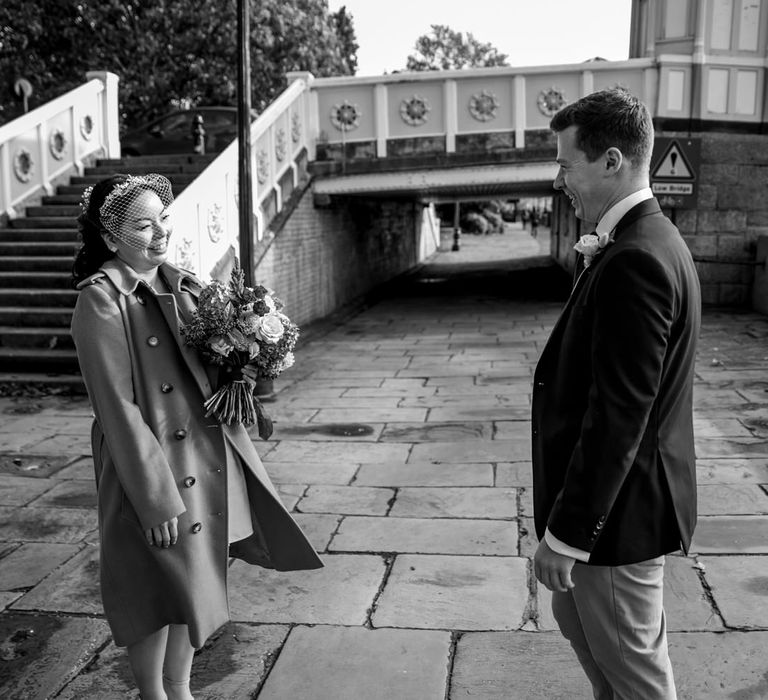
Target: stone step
<point x="63" y="199"/>
<point x="176" y="179"/>
<point x="49" y="316"/>
<point x="182" y="159"/>
<point x="79" y="188"/>
<point x="35" y="280"/>
<point x="39" y="234"/>
<point x="43" y="222"/>
<point x="37" y="248"/>
<point x="44" y="337"/>
<point x="37" y="297"/>
<point x="37" y="359"/>
<point x="70" y="383"/>
<point x="67" y="210"/>
<point x="36" y="263"/>
<point x="129" y="168"/>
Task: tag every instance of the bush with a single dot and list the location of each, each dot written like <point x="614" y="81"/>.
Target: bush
<point x="473" y="222"/>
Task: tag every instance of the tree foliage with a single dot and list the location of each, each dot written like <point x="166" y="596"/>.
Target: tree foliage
<point x="166" y="53"/>
<point x="446" y="49"/>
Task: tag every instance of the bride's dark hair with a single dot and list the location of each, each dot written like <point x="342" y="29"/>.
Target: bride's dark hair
<point x="93" y="252"/>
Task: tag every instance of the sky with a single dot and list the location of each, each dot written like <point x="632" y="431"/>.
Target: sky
<point x="530" y="32"/>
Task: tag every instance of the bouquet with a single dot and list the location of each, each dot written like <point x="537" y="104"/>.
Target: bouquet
<point x="237" y="326"/>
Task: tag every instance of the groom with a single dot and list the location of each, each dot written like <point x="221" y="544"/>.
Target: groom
<point x="613" y="458"/>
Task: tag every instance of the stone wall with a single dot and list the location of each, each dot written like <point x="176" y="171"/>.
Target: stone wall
<point x="732" y="212"/>
<point x="324" y="257"/>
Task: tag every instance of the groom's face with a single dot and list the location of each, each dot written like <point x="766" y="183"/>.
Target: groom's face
<point x="581" y="180"/>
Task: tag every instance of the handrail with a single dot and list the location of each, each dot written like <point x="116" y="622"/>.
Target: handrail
<point x="205" y="213"/>
<point x="46" y="145"/>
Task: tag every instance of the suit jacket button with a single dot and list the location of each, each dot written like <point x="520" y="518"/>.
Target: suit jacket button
<point x="180" y="434"/>
<point x="540" y="384"/>
<point x="189" y="482"/>
<point x="152" y="341"/>
<point x="141" y="299"/>
<point x="166" y="388"/>
<point x="196" y="528"/>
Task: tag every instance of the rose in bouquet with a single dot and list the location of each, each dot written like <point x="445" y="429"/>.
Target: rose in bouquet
<point x="242" y="330"/>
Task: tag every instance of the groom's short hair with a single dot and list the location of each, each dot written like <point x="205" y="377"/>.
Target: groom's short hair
<point x="611" y="117"/>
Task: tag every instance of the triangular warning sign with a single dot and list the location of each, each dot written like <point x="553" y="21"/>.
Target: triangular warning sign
<point x="673" y="165"/>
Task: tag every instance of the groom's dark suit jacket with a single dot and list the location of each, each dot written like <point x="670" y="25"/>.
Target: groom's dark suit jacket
<point x="613" y="456"/>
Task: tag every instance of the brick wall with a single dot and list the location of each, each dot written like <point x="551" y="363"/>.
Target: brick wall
<point x="324" y="257"/>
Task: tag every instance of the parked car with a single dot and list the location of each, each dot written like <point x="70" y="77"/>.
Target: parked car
<point x="172" y="133"/>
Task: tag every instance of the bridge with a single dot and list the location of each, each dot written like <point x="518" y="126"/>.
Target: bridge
<point x="348" y="170"/>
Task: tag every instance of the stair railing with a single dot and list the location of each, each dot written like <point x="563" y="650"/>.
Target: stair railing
<point x="205" y="216"/>
<point x="44" y="147"/>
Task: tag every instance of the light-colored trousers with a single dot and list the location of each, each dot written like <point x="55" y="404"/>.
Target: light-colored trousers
<point x="614" y="620"/>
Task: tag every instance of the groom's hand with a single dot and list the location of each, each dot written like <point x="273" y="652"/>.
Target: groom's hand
<point x="553" y="570"/>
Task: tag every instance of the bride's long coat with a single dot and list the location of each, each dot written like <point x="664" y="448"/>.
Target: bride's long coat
<point x="157" y="457"/>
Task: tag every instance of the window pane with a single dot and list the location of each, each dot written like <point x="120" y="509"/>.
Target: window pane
<point x="717" y="95"/>
<point x="748" y="25"/>
<point x="746" y="91"/>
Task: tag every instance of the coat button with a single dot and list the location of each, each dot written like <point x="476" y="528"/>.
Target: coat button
<point x="189" y="482"/>
<point x="141" y="299"/>
<point x="540" y="384"/>
<point x="196" y="528"/>
<point x="180" y="434"/>
<point x="152" y="341"/>
<point x="166" y="388"/>
<point x="218" y="471"/>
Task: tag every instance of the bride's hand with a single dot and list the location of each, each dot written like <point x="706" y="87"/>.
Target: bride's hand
<point x="163" y="535"/>
<point x="250" y="374"/>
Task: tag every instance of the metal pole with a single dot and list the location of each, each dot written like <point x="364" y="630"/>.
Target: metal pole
<point x="456" y="227"/>
<point x="245" y="197"/>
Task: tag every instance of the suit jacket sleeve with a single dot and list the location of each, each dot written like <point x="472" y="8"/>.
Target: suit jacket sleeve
<point x="634" y="300"/>
<point x="105" y="362"/>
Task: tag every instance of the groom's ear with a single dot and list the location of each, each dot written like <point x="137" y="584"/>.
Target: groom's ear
<point x="613" y="159"/>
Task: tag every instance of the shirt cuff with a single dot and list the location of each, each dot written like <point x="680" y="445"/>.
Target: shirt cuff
<point x="565" y="549"/>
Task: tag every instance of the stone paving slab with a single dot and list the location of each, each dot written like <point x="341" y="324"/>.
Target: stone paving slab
<point x="379" y="415"/>
<point x="719" y="666"/>
<point x="20" y="490"/>
<point x="30" y="563"/>
<point x="8" y="597"/>
<point x="71" y="588"/>
<point x="45" y="425"/>
<point x="351" y="663"/>
<point x="454" y="593"/>
<point x="65" y="525"/>
<point x="290" y="494"/>
<point x="514" y="474"/>
<point x="497" y="412"/>
<point x="475" y="451"/>
<point x="328" y="432"/>
<point x="436" y="432"/>
<point x="311" y="472"/>
<point x="517" y="666"/>
<point x="732" y="471"/>
<point x="685" y="600"/>
<point x="740" y="588"/>
<point x="41" y="653"/>
<point x="744" y="534"/>
<point x="32" y="465"/>
<point x="424" y="474"/>
<point x="732" y="499"/>
<point x="425" y="536"/>
<point x="359" y="452"/>
<point x="74" y="493"/>
<point x="709" y="448"/>
<point x="452" y="502"/>
<point x="318" y="528"/>
<point x="74" y="445"/>
<point x="338" y="594"/>
<point x="80" y="468"/>
<point x="349" y="500"/>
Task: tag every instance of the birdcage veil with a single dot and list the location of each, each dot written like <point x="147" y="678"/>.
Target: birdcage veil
<point x="117" y="203"/>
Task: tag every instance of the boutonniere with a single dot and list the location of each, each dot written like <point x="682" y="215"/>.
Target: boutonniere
<point x="591" y="245"/>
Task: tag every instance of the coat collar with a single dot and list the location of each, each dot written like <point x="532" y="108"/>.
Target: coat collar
<point x="644" y="208"/>
<point x="126" y="280"/>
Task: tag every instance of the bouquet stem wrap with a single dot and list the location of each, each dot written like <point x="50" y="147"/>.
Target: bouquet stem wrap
<point x="235" y="403"/>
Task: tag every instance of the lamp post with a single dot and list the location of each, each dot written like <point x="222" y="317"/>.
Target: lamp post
<point x="245" y="197"/>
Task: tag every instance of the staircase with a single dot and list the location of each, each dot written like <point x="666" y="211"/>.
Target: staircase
<point x="36" y="255"/>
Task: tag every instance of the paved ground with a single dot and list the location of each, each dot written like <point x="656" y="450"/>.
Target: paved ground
<point x="401" y="444"/>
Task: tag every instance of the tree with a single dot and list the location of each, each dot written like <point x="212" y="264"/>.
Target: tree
<point x="166" y="52"/>
<point x="446" y="49"/>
